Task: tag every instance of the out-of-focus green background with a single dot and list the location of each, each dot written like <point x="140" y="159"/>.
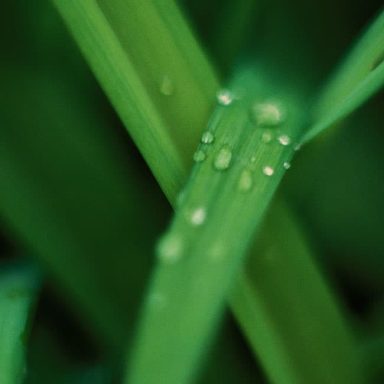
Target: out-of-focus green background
<point x="77" y="199"/>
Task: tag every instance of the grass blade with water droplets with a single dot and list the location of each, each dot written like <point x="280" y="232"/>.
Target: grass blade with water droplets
<point x="241" y="163"/>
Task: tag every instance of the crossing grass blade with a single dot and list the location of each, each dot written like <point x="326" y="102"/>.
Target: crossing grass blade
<point x="18" y="291"/>
<point x="129" y="45"/>
<point x="359" y="77"/>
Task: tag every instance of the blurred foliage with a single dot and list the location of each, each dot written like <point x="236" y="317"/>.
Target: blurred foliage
<point x="76" y="178"/>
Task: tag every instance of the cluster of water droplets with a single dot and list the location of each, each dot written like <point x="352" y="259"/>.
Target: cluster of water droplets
<point x="267" y="116"/>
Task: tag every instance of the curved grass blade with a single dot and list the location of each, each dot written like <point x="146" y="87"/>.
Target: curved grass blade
<point x="18" y="290"/>
<point x="151" y="93"/>
<point x="360" y="76"/>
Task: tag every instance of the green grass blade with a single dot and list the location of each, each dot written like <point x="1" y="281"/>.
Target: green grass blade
<point x="221" y="208"/>
<point x="152" y="94"/>
<point x="298" y="334"/>
<point x="18" y="290"/>
<point x="360" y="76"/>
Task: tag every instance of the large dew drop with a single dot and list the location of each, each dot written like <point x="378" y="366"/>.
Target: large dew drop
<point x="170" y="249"/>
<point x="267" y="114"/>
<point x="223" y="159"/>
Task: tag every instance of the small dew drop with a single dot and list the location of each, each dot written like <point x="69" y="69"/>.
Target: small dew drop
<point x="267" y="137"/>
<point x="157" y="300"/>
<point x="245" y="181"/>
<point x="166" y="86"/>
<point x="253" y="159"/>
<point x="284" y="140"/>
<point x="198" y="216"/>
<point x="268" y="171"/>
<point x="224" y="97"/>
<point x="170" y="249"/>
<point x="297" y="147"/>
<point x="199" y="156"/>
<point x="223" y="159"/>
<point x="287" y="165"/>
<point x="217" y="252"/>
<point x="267" y="114"/>
<point x="180" y="198"/>
<point x="207" y="137"/>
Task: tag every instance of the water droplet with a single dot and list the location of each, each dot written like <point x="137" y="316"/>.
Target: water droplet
<point x="166" y="86"/>
<point x="216" y="252"/>
<point x="199" y="156"/>
<point x="297" y="147"/>
<point x="253" y="159"/>
<point x="267" y="114"/>
<point x="223" y="159"/>
<point x="180" y="198"/>
<point x="157" y="300"/>
<point x="207" y="137"/>
<point x="268" y="171"/>
<point x="287" y="165"/>
<point x="198" y="216"/>
<point x="224" y="97"/>
<point x="245" y="181"/>
<point x="267" y="137"/>
<point x="284" y="140"/>
<point x="170" y="249"/>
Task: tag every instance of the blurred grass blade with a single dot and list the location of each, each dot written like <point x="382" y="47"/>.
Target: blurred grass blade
<point x="298" y="334"/>
<point x="18" y="290"/>
<point x="231" y="31"/>
<point x="241" y="162"/>
<point x="67" y="194"/>
<point x="149" y="91"/>
<point x="360" y="76"/>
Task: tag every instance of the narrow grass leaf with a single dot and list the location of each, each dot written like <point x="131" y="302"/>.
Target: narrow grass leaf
<point x="162" y="101"/>
<point x="18" y="290"/>
<point x="298" y="334"/>
<point x="240" y="164"/>
<point x="360" y="76"/>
